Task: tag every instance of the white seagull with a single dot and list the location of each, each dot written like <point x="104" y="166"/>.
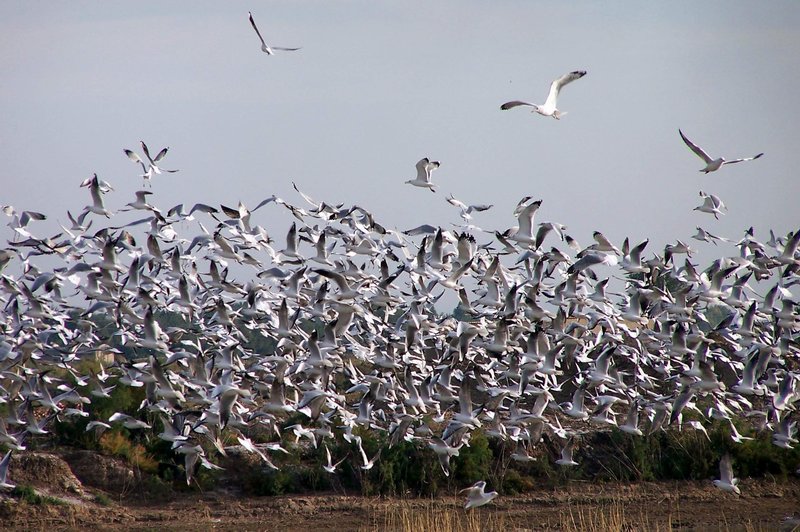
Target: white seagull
<point x="711" y="204"/>
<point x="726" y="480"/>
<point x="712" y="165"/>
<point x="425" y="168"/>
<point x="548" y="108"/>
<point x="270" y="50"/>
<point x="476" y="496"/>
<point x="5" y="483"/>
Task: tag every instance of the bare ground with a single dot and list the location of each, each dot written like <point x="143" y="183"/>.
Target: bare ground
<point x="577" y="506"/>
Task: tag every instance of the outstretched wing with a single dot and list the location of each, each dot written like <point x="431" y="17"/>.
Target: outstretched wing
<point x="516" y="103"/>
<point x="695" y="148"/>
<point x="744" y="159"/>
<point x="556" y="86"/>
<point x="253" y="23"/>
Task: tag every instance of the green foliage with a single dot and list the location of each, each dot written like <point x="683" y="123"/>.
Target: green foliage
<point x="473" y="462"/>
<point x="409" y="468"/>
<point x="270" y="482"/>
<point x="29" y="495"/>
<point x="102" y="499"/>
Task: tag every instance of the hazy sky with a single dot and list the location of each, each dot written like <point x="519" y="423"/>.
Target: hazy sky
<point x="378" y="85"/>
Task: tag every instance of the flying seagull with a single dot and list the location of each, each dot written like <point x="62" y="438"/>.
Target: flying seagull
<point x="425" y="168"/>
<point x="476" y="496"/>
<point x="726" y="480"/>
<point x="712" y="165"/>
<point x="264" y="47"/>
<point x="549" y="106"/>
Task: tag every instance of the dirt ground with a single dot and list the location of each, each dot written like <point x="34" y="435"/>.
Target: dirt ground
<point x="763" y="505"/>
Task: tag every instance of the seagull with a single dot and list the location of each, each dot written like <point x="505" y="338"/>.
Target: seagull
<point x="549" y="106"/>
<point x="153" y="160"/>
<point x="566" y="454"/>
<point x="476" y="496"/>
<point x="712" y="165"/>
<point x="726" y="481"/>
<point x="4" y="483"/>
<point x="97" y="188"/>
<point x="711" y="204"/>
<point x="264" y="48"/>
<point x="425" y="168"/>
<point x="330" y="467"/>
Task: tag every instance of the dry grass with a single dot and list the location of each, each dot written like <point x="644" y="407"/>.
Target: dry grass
<point x="418" y="516"/>
<point x="609" y="518"/>
<point x="435" y="516"/>
<point x="117" y="444"/>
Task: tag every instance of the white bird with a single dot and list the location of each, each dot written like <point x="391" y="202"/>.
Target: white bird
<point x="270" y="50"/>
<point x="97" y="188"/>
<point x="330" y="467"/>
<point x="726" y="480"/>
<point x="4" y="483"/>
<point x="425" y="168"/>
<point x="566" y="454"/>
<point x="476" y="496"/>
<point x="712" y="165"/>
<point x="153" y="160"/>
<point x="711" y="204"/>
<point x="548" y="108"/>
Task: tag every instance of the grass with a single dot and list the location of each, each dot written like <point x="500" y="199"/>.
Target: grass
<point x="30" y="496"/>
<point x="416" y="516"/>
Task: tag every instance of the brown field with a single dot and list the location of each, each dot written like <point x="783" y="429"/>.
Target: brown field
<point x="72" y="505"/>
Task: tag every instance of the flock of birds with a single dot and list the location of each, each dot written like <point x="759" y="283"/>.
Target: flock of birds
<point x="541" y="343"/>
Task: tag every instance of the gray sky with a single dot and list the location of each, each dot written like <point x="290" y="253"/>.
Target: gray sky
<point x="378" y="85"/>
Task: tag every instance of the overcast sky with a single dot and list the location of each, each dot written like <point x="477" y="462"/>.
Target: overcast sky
<point x="378" y="85"/>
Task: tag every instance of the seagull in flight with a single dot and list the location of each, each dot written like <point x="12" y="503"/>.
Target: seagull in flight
<point x="270" y="50"/>
<point x="425" y="168"/>
<point x="726" y="481"/>
<point x="548" y="108"/>
<point x="712" y="165"/>
<point x="476" y="496"/>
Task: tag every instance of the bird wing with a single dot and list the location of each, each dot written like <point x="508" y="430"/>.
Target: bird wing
<point x="556" y="86"/>
<point x="133" y="156"/>
<point x="525" y="218"/>
<point x="516" y="103"/>
<point x="253" y="23"/>
<point x="147" y="152"/>
<point x="422" y="172"/>
<point x="695" y="148"/>
<point x="744" y="159"/>
<point x="161" y="154"/>
<point x="286" y="49"/>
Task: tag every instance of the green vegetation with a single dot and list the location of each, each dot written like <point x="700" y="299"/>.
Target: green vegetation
<point x="29" y="495"/>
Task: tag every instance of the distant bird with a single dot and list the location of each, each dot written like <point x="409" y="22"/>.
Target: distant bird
<point x="264" y="47"/>
<point x="711" y="204"/>
<point x="712" y="165"/>
<point x="549" y="106"/>
<point x="726" y="480"/>
<point x="330" y="467"/>
<point x="97" y="188"/>
<point x="566" y="454"/>
<point x="476" y="496"/>
<point x="4" y="483"/>
<point x="153" y="162"/>
<point x="425" y="168"/>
